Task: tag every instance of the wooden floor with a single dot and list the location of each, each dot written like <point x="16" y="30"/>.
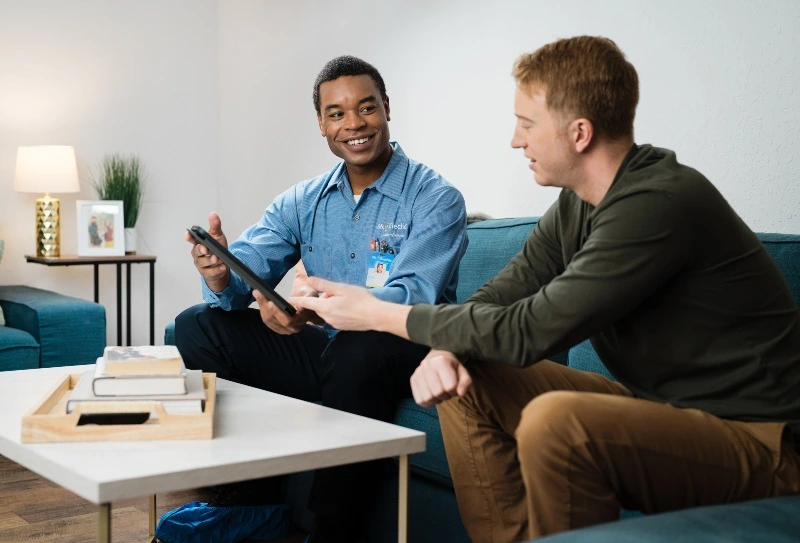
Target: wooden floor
<point x="33" y="509"/>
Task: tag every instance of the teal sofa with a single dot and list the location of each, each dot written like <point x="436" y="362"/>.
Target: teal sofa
<point x="44" y="329"/>
<point x="433" y="512"/>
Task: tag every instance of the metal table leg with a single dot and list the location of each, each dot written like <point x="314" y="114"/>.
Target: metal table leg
<point x="402" y="502"/>
<point x="104" y="523"/>
<point x="127" y="304"/>
<point x="96" y="283"/>
<point x="152" y="303"/>
<point x="119" y="303"/>
<point x="153" y="519"/>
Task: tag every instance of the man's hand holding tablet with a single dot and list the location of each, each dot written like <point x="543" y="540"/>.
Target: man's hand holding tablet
<point x="222" y="253"/>
<point x="213" y="260"/>
<point x="213" y="270"/>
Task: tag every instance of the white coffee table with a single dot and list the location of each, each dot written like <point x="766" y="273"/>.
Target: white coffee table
<point x="256" y="434"/>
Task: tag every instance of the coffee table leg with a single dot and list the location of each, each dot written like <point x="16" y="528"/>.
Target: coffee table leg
<point x="402" y="505"/>
<point x="152" y="509"/>
<point x="104" y="523"/>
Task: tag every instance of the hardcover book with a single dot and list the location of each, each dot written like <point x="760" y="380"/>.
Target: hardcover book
<point x="144" y="360"/>
<point x="132" y="371"/>
<point x="192" y="401"/>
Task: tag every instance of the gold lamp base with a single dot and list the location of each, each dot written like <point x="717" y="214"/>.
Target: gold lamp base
<point x="48" y="241"/>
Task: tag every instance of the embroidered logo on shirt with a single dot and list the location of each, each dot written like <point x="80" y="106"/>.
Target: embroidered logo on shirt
<point x="389" y="226"/>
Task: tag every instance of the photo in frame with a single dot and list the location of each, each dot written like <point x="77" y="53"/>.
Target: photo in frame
<point x="100" y="228"/>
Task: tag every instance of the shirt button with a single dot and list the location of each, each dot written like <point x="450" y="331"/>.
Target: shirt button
<point x="352" y="255"/>
<point x="356" y="217"/>
<point x="310" y="248"/>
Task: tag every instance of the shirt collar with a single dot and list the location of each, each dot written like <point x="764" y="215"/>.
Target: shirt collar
<point x="391" y="182"/>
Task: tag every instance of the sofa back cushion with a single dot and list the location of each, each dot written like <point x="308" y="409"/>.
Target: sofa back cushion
<point x="492" y="243"/>
<point x="785" y="249"/>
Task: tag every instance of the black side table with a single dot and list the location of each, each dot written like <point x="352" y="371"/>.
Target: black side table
<point x="97" y="261"/>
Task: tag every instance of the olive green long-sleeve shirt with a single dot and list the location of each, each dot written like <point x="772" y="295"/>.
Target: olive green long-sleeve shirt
<point x="679" y="297"/>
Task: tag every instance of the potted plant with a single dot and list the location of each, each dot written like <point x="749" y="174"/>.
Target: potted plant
<point x="120" y="177"/>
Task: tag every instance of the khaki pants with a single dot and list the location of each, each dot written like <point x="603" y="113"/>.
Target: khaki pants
<point x="544" y="449"/>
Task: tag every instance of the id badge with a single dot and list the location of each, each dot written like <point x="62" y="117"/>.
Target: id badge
<point x="378" y="271"/>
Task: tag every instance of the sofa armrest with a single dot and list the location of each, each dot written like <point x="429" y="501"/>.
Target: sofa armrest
<point x="69" y="330"/>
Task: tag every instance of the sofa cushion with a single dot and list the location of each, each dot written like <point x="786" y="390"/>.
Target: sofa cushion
<point x="774" y="520"/>
<point x="18" y="350"/>
<point x="582" y="357"/>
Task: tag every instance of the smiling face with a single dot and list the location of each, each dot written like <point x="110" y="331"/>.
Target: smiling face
<point x="355" y="121"/>
<point x="543" y="139"/>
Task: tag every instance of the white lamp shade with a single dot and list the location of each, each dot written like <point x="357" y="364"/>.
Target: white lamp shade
<point x="46" y="168"/>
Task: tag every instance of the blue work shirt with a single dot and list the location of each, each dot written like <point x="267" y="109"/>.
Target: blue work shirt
<point x="410" y="213"/>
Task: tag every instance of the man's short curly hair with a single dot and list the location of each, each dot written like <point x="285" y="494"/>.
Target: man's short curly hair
<point x="347" y="65"/>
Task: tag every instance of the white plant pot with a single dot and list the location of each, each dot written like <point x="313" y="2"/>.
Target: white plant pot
<point x="130" y="241"/>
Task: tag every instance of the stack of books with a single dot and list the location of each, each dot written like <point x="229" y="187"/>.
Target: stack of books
<point x="147" y="373"/>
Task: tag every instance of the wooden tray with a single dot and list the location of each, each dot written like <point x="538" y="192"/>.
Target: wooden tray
<point x="50" y="422"/>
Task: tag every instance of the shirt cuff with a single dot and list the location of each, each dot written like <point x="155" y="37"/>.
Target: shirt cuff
<point x="217" y="299"/>
<point x="391" y="294"/>
<point x="419" y="323"/>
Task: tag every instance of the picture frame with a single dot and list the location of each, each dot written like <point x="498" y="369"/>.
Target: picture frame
<point x="100" y="228"/>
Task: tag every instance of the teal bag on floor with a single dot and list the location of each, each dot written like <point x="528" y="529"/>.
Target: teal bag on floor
<point x="196" y="522"/>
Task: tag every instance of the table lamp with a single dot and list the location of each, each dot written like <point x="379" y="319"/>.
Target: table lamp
<point x="47" y="168"/>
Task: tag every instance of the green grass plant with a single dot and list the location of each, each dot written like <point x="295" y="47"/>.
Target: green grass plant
<point x="120" y="177"/>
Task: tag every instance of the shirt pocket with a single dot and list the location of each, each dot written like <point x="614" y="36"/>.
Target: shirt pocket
<point x="390" y="240"/>
<point x="316" y="258"/>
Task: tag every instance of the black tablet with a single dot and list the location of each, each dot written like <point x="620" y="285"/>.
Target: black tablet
<point x="242" y="270"/>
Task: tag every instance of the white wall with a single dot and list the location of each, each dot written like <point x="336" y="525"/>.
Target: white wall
<point x="719" y="84"/>
<point x="216" y="98"/>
